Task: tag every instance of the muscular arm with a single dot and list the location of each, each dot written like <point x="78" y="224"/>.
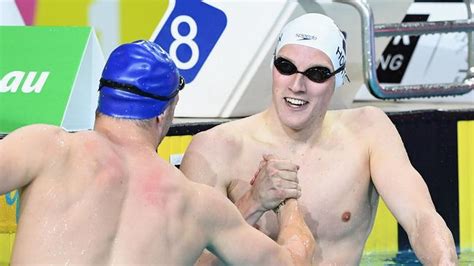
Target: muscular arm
<point x="294" y="233"/>
<point x="237" y="243"/>
<point x="23" y="153"/>
<point x="203" y="163"/>
<point x="406" y="193"/>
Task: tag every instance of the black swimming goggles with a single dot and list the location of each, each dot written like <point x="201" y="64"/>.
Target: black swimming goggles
<point x="135" y="90"/>
<point x="318" y="74"/>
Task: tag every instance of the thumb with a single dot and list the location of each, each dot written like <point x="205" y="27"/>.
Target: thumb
<point x="255" y="176"/>
<point x="268" y="157"/>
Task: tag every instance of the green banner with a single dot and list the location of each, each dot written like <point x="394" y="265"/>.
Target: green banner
<point x="38" y="69"/>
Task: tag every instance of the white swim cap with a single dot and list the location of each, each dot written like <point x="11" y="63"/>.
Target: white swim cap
<point x="320" y="32"/>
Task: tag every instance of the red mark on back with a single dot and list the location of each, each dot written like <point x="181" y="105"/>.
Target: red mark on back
<point x="151" y="189"/>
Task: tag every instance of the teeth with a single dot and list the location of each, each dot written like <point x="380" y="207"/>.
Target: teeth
<point x="294" y="101"/>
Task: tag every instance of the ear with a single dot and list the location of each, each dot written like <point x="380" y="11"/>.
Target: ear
<point x="160" y="118"/>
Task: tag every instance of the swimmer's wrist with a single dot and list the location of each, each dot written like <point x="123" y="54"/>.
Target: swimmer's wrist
<point x="288" y="212"/>
<point x="286" y="206"/>
<point x="253" y="201"/>
<point x="250" y="209"/>
<point x="255" y="204"/>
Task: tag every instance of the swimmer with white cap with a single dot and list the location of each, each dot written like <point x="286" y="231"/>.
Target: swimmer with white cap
<point x="325" y="36"/>
<point x="104" y="197"/>
<point x="346" y="158"/>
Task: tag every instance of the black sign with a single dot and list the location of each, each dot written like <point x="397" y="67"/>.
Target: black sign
<point x="397" y="54"/>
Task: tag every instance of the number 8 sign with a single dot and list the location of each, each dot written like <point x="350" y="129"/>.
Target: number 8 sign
<point x="190" y="33"/>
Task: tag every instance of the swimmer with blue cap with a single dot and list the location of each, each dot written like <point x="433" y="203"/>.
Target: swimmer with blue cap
<point x="138" y="82"/>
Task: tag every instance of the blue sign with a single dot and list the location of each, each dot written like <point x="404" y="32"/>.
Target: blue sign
<point x="190" y="33"/>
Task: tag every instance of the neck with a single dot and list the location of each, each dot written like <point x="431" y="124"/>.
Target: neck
<point x="126" y="133"/>
<point x="309" y="134"/>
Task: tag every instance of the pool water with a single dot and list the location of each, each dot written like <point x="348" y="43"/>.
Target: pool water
<point x="407" y="257"/>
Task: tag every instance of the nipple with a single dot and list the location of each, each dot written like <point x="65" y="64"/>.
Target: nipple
<point x="346" y="216"/>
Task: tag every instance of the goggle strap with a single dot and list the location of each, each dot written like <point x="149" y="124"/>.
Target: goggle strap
<point x="135" y="90"/>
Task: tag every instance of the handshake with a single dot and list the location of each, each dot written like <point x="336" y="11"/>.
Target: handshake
<point x="275" y="181"/>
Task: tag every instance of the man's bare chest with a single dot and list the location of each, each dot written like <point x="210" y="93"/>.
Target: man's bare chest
<point x="337" y="194"/>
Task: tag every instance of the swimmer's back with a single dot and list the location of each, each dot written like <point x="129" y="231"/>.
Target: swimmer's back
<point x="96" y="202"/>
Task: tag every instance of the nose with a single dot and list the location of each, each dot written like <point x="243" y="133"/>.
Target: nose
<point x="298" y="84"/>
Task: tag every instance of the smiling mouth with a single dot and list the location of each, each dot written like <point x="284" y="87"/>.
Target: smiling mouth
<point x="295" y="102"/>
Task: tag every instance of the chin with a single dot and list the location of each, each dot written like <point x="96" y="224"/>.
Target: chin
<point x="296" y="120"/>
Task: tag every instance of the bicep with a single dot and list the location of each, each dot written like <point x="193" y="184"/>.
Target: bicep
<point x="397" y="181"/>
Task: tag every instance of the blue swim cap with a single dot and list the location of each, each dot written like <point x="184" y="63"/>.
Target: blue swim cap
<point x="138" y="81"/>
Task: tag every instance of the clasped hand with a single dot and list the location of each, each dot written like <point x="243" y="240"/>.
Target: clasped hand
<point x="275" y="181"/>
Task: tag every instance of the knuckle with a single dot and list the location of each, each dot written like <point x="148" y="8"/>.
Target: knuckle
<point x="281" y="194"/>
<point x="273" y="172"/>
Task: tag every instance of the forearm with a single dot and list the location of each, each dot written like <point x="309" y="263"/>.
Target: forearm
<point x="249" y="208"/>
<point x="432" y="241"/>
<point x="295" y="234"/>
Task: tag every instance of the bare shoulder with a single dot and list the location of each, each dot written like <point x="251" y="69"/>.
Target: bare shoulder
<point x="226" y="133"/>
<point x="225" y="139"/>
<point x="83" y="139"/>
<point x="37" y="131"/>
<point x="373" y="126"/>
<point x="364" y="119"/>
<point x="369" y="114"/>
<point x="30" y="147"/>
<point x="37" y="135"/>
<point x="211" y="153"/>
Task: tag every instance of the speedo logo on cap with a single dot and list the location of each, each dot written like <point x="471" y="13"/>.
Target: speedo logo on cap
<point x="305" y="37"/>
